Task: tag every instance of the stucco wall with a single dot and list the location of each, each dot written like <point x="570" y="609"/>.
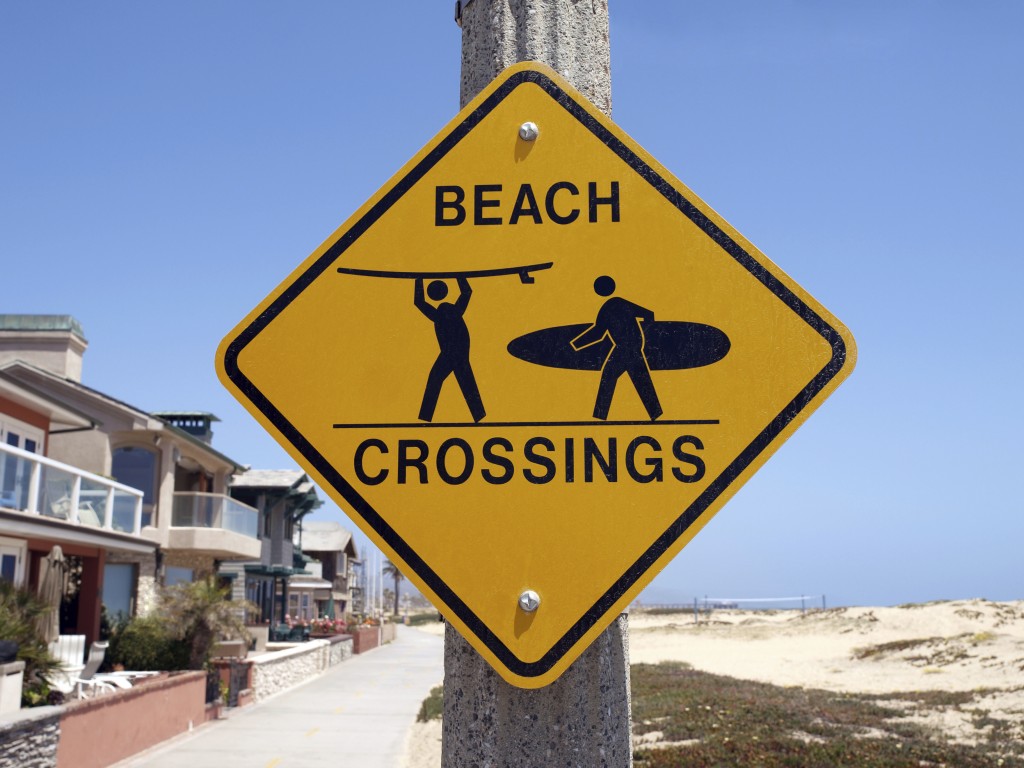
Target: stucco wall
<point x="86" y="450"/>
<point x="141" y="717"/>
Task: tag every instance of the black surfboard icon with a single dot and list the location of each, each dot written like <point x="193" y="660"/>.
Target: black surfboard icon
<point x="525" y="272"/>
<point x="669" y="345"/>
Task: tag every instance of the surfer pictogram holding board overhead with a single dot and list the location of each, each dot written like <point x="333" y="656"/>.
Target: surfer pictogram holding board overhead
<point x="450" y="328"/>
<point x="453" y="341"/>
<point x="620" y="321"/>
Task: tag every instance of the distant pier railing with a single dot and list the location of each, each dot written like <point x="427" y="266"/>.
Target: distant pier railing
<point x="704" y="605"/>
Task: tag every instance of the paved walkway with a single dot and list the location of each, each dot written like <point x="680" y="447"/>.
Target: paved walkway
<point x="357" y="714"/>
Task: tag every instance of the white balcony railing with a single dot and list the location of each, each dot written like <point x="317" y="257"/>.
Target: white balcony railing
<point x="214" y="510"/>
<point x="37" y="485"/>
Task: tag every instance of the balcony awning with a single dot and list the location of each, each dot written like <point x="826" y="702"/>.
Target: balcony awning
<point x="308" y="582"/>
<point x="258" y="569"/>
<point x="29" y="526"/>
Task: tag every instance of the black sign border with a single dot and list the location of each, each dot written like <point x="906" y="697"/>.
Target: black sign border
<point x="684" y="521"/>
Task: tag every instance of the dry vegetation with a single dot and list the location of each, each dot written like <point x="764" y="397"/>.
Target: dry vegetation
<point x="683" y="717"/>
<point x="936" y="684"/>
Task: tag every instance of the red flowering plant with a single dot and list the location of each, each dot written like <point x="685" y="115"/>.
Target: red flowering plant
<point x="327" y="626"/>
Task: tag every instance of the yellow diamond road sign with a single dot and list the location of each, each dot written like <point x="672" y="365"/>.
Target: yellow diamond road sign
<point x="533" y="368"/>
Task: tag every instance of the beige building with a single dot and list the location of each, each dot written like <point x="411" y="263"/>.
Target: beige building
<point x="334" y="549"/>
<point x="282" y="497"/>
<point x="185" y="508"/>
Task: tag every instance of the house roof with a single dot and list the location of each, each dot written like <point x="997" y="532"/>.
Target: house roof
<point x="292" y="486"/>
<point x="24" y="372"/>
<point x="326" y="536"/>
<point x="271" y="478"/>
<point x="185" y="414"/>
<point x="62" y="416"/>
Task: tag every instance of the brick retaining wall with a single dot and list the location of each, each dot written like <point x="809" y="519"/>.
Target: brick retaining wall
<point x="365" y="638"/>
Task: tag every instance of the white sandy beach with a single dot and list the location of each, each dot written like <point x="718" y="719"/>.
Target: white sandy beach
<point x="962" y="645"/>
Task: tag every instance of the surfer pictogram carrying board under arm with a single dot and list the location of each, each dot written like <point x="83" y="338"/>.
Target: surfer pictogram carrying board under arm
<point x="563" y="339"/>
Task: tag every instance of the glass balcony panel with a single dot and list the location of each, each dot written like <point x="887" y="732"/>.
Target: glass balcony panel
<point x="92" y="502"/>
<point x="213" y="510"/>
<point x="55" y="491"/>
<point x="55" y="497"/>
<point x="241" y="518"/>
<point x="14" y="478"/>
<point x="124" y="512"/>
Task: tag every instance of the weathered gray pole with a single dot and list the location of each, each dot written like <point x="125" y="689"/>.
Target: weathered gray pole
<point x="583" y="718"/>
<point x="570" y="36"/>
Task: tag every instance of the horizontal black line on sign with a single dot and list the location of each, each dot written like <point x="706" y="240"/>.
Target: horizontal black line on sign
<point x="449" y="425"/>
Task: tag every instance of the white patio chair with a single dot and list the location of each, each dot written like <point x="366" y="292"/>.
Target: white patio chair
<point x="69" y="650"/>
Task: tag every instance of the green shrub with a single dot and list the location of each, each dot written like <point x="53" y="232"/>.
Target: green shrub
<point x="20" y="613"/>
<point x="191" y="618"/>
<point x="432" y="707"/>
<point x="146" y="643"/>
<point x="199" y="614"/>
<point x="417" y="619"/>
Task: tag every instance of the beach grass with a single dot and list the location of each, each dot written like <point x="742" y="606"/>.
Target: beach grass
<point x="700" y="719"/>
<point x="686" y="718"/>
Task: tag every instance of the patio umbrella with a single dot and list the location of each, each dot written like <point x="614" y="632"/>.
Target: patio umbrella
<point x="53" y="579"/>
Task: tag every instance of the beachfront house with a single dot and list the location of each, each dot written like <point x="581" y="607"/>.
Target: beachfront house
<point x="140" y="498"/>
<point x="334" y="550"/>
<point x="282" y="497"/>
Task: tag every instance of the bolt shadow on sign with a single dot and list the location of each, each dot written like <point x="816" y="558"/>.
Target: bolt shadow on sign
<point x="532" y="369"/>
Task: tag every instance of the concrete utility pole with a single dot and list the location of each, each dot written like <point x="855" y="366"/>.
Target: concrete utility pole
<point x="570" y="36"/>
<point x="583" y="718"/>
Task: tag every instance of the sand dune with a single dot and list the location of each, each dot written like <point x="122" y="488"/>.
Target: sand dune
<point x="959" y="645"/>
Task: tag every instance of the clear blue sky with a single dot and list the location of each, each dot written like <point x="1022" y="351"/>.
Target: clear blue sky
<point x="165" y="165"/>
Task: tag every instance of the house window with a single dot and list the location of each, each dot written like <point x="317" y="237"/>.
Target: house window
<point x="12" y="560"/>
<point x="174" y="575"/>
<point x="136" y="467"/>
<point x="119" y="590"/>
<point x="15" y="471"/>
<point x="20" y="435"/>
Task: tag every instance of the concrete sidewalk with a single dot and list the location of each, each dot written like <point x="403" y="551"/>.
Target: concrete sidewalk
<point x="356" y="714"/>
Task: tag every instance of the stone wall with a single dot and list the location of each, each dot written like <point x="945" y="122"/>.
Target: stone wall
<point x="147" y="595"/>
<point x="341" y="649"/>
<point x="28" y="738"/>
<point x="281" y="669"/>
